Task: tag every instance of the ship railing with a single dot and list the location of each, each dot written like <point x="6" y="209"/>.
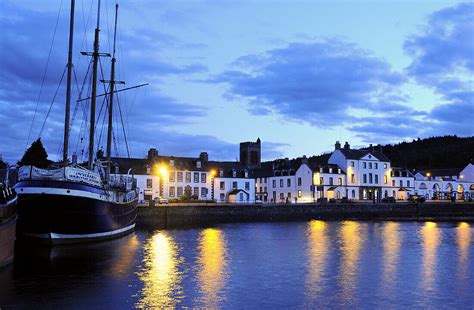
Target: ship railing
<point x="74" y="174"/>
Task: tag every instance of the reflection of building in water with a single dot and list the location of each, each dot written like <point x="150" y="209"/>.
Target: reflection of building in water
<point x="317" y="254"/>
<point x="431" y="238"/>
<point x="352" y="237"/>
<point x="160" y="275"/>
<point x="463" y="238"/>
<point x="212" y="267"/>
<point x="391" y="246"/>
<point x="127" y="250"/>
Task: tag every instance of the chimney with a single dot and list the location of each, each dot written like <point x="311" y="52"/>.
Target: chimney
<point x="204" y="157"/>
<point x="152" y="154"/>
<point x="337" y="145"/>
<point x="380" y="149"/>
<point x="371" y="147"/>
<point x="304" y="160"/>
<point x="347" y="146"/>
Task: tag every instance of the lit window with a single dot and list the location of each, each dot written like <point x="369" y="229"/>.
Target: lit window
<point x="172" y="191"/>
<point x="299" y="193"/>
<point x="188" y="177"/>
<point x="172" y="176"/>
<point x="180" y="191"/>
<point x="385" y="179"/>
<point x="385" y="166"/>
<point x="180" y="176"/>
<point x="149" y="183"/>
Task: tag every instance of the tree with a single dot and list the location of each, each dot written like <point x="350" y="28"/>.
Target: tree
<point x="3" y="164"/>
<point x="35" y="155"/>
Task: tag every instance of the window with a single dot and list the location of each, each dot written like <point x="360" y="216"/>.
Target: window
<point x="198" y="164"/>
<point x="365" y="178"/>
<point x="180" y="191"/>
<point x="172" y="176"/>
<point x="376" y="166"/>
<point x="172" y="191"/>
<point x="203" y="192"/>
<point x="321" y="180"/>
<point x="288" y="182"/>
<point x="265" y="189"/>
<point x="299" y="181"/>
<point x="234" y="173"/>
<point x="331" y="181"/>
<point x="339" y="181"/>
<point x="241" y="196"/>
<point x="222" y="196"/>
<point x="234" y="185"/>
<point x="274" y="183"/>
<point x="282" y="196"/>
<point x="352" y="164"/>
<point x="338" y="171"/>
<point x="180" y="176"/>
<point x="364" y="164"/>
<point x="353" y="179"/>
<point x="171" y="162"/>
<point x="149" y="183"/>
<point x="196" y="191"/>
<point x="222" y="185"/>
<point x="289" y="195"/>
<point x="401" y="182"/>
<point x="393" y="183"/>
<point x="247" y="185"/>
<point x="281" y="182"/>
<point x="370" y="177"/>
<point x="299" y="194"/>
<point x="408" y="183"/>
<point x="321" y="169"/>
<point x="221" y="173"/>
<point x="203" y="178"/>
<point x="370" y="165"/>
<point x="188" y="177"/>
<point x="196" y="177"/>
<point x="385" y="166"/>
<point x="353" y="194"/>
<point x="376" y="179"/>
<point x="385" y="179"/>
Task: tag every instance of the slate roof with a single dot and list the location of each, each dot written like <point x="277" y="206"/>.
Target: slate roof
<point x="442" y="172"/>
<point x="358" y="154"/>
<point x="317" y="168"/>
<point x="228" y="168"/>
<point x="401" y="172"/>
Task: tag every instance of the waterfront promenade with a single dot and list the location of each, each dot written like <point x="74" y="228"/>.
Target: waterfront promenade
<point x="179" y="215"/>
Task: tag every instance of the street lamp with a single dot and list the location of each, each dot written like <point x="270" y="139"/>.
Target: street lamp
<point x="162" y="172"/>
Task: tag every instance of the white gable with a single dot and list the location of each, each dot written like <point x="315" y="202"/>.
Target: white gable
<point x="369" y="157"/>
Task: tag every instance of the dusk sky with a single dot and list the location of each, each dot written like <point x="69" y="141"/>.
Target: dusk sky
<point x="298" y="74"/>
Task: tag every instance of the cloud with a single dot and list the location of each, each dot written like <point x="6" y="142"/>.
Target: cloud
<point x="443" y="60"/>
<point x="25" y="41"/>
<point x="314" y="82"/>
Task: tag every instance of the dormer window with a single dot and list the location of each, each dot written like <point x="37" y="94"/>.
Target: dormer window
<point x="339" y="171"/>
<point x="330" y="170"/>
<point x="321" y="169"/>
<point x="221" y="173"/>
<point x="172" y="162"/>
<point x="198" y="164"/>
<point x="234" y="173"/>
<point x="148" y="169"/>
<point x="246" y="174"/>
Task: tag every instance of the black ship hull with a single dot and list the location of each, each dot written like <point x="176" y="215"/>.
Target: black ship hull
<point x="57" y="212"/>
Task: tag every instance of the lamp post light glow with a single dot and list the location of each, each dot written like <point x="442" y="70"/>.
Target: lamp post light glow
<point x="213" y="174"/>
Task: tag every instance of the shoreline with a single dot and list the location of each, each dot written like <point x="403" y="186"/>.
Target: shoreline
<point x="178" y="216"/>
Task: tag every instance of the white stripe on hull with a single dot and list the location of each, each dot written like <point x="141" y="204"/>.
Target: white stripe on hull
<point x="60" y="191"/>
<point x="9" y="202"/>
<point x="55" y="236"/>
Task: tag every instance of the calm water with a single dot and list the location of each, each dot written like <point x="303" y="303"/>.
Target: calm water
<point x="269" y="265"/>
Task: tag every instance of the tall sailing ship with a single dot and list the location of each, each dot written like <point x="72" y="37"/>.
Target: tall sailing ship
<point x="72" y="203"/>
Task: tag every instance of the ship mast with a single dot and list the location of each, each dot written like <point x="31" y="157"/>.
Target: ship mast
<point x="112" y="83"/>
<point x="95" y="61"/>
<point x="68" y="86"/>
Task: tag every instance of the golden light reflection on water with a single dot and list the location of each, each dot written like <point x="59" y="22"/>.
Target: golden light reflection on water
<point x="212" y="263"/>
<point x="160" y="275"/>
<point x="431" y="238"/>
<point x="352" y="236"/>
<point x="463" y="239"/>
<point x="317" y="254"/>
<point x="391" y="246"/>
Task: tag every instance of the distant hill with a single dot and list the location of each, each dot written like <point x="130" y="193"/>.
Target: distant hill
<point x="430" y="153"/>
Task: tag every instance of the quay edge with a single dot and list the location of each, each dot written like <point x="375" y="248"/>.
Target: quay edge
<point x="175" y="216"/>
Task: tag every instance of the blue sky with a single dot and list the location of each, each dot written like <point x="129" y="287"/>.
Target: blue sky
<point x="298" y="74"/>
